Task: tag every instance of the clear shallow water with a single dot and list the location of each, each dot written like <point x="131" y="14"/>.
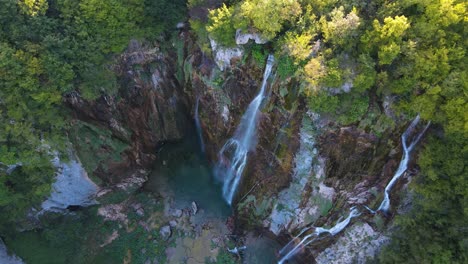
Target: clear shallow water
<point x="262" y="250"/>
<point x="183" y="173"/>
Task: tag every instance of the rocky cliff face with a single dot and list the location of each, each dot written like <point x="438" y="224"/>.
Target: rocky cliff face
<point x="305" y="169"/>
<point x="149" y="110"/>
<point x="222" y="105"/>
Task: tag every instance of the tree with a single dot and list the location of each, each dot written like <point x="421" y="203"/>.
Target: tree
<point x="387" y="37"/>
<point x="269" y="16"/>
<point x="340" y="28"/>
<point x="220" y="25"/>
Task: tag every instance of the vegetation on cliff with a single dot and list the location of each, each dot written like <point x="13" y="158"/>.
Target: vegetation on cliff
<point x="358" y="62"/>
<point x="351" y="59"/>
<point x="49" y="49"/>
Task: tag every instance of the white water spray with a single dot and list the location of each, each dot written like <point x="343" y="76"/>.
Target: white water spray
<point x="313" y="236"/>
<point x="289" y="244"/>
<point x="198" y="126"/>
<point x="385" y="205"/>
<point x="233" y="155"/>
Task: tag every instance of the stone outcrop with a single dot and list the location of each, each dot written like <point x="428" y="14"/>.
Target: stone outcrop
<point x="223" y="55"/>
<point x="149" y="109"/>
<point x="6" y="258"/>
<point x="71" y="188"/>
<point x="352" y="155"/>
<point x="243" y="38"/>
<point x="358" y="244"/>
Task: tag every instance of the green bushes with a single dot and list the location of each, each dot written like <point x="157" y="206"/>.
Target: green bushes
<point x="220" y="26"/>
<point x="50" y="48"/>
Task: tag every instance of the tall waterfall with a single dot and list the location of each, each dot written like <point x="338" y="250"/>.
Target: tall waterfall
<point x="313" y="236"/>
<point x="233" y="155"/>
<point x="385" y="205"/>
<point x="198" y="126"/>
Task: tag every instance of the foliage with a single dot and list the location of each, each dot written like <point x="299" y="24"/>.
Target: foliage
<point x="286" y="67"/>
<point x="340" y="28"/>
<point x="221" y="27"/>
<point x="79" y="238"/>
<point x="269" y="16"/>
<point x="259" y="55"/>
<point x="298" y="46"/>
<point x="48" y="49"/>
<point x="435" y="230"/>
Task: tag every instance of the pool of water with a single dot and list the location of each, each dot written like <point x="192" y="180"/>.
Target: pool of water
<point x="183" y="173"/>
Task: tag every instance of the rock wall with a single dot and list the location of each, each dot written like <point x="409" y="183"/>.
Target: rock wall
<point x="349" y="166"/>
<point x="149" y="110"/>
<point x="6" y="258"/>
<point x="224" y="97"/>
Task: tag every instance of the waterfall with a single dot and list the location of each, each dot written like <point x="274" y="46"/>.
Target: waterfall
<point x="313" y="236"/>
<point x="288" y="245"/>
<point x="385" y="205"/>
<point x="198" y="126"/>
<point x="233" y="155"/>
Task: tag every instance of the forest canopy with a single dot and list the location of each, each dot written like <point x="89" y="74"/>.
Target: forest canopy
<point x="48" y="49"/>
<point x="350" y="60"/>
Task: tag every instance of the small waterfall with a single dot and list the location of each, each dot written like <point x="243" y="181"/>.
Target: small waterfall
<point x="287" y="248"/>
<point x="385" y="205"/>
<point x="233" y="155"/>
<point x="313" y="236"/>
<point x="198" y="126"/>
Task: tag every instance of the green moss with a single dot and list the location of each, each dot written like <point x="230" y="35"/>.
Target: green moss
<point x="286" y="67"/>
<point x="78" y="238"/>
<point x="95" y="145"/>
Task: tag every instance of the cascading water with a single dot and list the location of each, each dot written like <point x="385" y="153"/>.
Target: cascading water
<point x="287" y="248"/>
<point x="233" y="155"/>
<point x="313" y="236"/>
<point x="198" y="126"/>
<point x="385" y="205"/>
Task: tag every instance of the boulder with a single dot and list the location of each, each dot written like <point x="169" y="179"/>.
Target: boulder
<point x="165" y="232"/>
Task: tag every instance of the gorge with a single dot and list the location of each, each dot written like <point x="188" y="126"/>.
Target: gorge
<point x="231" y="132"/>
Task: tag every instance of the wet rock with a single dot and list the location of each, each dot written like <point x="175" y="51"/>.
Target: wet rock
<point x="165" y="232"/>
<point x="358" y="244"/>
<point x="173" y="223"/>
<point x="113" y="212"/>
<point x="194" y="208"/>
<point x="352" y="155"/>
<point x="243" y="38"/>
<point x="5" y="258"/>
<point x="177" y="213"/>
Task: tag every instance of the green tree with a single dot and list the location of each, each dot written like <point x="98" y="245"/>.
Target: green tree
<point x="220" y="25"/>
<point x="269" y="16"/>
<point x="341" y="28"/>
